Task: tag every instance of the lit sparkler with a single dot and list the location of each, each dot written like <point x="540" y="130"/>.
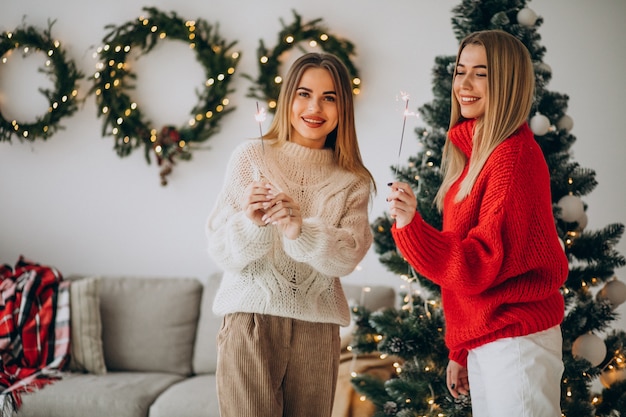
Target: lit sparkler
<point x="405" y="98"/>
<point x="260" y="116"/>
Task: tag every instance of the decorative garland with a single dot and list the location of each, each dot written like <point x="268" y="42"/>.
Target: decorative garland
<point x="267" y="85"/>
<point x="123" y="118"/>
<point x="63" y="99"/>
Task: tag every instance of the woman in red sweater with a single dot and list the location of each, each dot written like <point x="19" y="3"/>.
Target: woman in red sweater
<point x="498" y="258"/>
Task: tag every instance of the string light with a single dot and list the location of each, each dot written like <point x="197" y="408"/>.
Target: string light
<point x="62" y="99"/>
<point x="128" y="126"/>
<point x="267" y="84"/>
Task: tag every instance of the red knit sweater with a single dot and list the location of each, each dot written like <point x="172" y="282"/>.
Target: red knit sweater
<point x="498" y="259"/>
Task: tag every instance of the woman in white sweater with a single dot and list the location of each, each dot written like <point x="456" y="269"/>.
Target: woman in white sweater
<point x="291" y="218"/>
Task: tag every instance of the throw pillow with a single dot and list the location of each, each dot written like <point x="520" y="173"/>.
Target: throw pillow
<point x="86" y="327"/>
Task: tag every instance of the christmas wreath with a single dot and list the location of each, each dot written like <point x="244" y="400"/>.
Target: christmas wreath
<point x="123" y="118"/>
<point x="63" y="98"/>
<point x="267" y="85"/>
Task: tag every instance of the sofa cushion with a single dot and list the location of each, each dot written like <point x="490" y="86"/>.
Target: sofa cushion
<point x="113" y="394"/>
<point x="149" y="324"/>
<point x="86" y="327"/>
<point x="372" y="297"/>
<point x="193" y="397"/>
<point x="205" y="351"/>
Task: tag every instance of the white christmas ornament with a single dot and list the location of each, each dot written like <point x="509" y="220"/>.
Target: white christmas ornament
<point x="611" y="376"/>
<point x="565" y="123"/>
<point x="572" y="208"/>
<point x="582" y="222"/>
<point x="526" y="17"/>
<point x="539" y="124"/>
<point x="614" y="291"/>
<point x="542" y="66"/>
<point x="590" y="347"/>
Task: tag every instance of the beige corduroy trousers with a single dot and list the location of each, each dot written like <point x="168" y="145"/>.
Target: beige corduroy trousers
<point x="272" y="366"/>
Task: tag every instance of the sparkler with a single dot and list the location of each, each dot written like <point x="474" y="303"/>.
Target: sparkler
<point x="404" y="97"/>
<point x="260" y="118"/>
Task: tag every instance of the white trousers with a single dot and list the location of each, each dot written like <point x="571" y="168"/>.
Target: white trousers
<point x="517" y="376"/>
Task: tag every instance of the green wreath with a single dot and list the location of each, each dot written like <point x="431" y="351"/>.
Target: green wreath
<point x="123" y="118"/>
<point x="63" y="99"/>
<point x="267" y="86"/>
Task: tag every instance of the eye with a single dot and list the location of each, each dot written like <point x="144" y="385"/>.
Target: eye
<point x="331" y="99"/>
<point x="481" y="75"/>
<point x="303" y="93"/>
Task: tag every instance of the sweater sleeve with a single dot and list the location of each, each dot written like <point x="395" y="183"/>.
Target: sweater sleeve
<point x="234" y="240"/>
<point x="336" y="249"/>
<point x="459" y="356"/>
<point x="469" y="253"/>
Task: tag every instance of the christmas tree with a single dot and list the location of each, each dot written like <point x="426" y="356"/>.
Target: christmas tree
<point x="414" y="332"/>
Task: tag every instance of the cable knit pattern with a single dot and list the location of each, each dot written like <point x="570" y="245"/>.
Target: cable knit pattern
<point x="269" y="274"/>
<point x="498" y="259"/>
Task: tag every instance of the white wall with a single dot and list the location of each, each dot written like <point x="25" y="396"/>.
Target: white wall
<point x="73" y="203"/>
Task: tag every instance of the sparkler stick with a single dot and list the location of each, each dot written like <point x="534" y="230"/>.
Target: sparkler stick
<point x="260" y="118"/>
<point x="404" y="97"/>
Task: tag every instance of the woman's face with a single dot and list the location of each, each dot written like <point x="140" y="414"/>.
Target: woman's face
<point x="314" y="112"/>
<point x="470" y="82"/>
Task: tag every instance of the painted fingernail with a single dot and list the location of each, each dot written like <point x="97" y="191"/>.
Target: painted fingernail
<point x="453" y="386"/>
<point x="389" y="183"/>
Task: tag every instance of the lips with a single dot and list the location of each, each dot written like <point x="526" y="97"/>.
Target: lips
<point x="469" y="100"/>
<point x="312" y="121"/>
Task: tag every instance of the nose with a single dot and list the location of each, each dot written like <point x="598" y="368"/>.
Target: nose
<point x="466" y="83"/>
<point x="314" y="105"/>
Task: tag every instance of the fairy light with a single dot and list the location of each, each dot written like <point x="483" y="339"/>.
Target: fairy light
<point x="356" y="82"/>
<point x="397" y="366"/>
<point x="41" y="42"/>
<point x="294" y="34"/>
<point x="405" y="97"/>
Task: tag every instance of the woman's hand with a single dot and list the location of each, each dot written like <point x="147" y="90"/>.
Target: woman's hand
<point x="283" y="212"/>
<point x="253" y="201"/>
<point x="456" y="378"/>
<point x="402" y="203"/>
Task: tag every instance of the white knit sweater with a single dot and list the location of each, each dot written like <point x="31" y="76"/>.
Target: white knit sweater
<point x="267" y="273"/>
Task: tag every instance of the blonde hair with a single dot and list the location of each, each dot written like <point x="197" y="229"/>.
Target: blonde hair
<point x="343" y="139"/>
<point x="510" y="92"/>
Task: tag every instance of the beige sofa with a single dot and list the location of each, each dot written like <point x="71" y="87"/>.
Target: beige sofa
<point x="145" y="347"/>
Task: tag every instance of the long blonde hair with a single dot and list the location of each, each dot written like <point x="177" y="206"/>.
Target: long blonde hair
<point x="343" y="139"/>
<point x="510" y="92"/>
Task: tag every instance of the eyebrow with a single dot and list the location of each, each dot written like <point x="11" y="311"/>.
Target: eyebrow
<point x="308" y="90"/>
<point x="475" y="66"/>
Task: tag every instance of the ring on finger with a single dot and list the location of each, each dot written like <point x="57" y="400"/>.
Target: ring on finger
<point x="290" y="212"/>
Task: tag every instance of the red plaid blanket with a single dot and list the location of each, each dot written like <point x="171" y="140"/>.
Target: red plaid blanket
<point x="34" y="329"/>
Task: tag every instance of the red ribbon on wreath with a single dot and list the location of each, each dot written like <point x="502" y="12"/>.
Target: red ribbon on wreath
<point x="166" y="147"/>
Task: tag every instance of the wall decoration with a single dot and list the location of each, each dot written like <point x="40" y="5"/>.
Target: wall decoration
<point x="267" y="85"/>
<point x="63" y="99"/>
<point x="123" y="118"/>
